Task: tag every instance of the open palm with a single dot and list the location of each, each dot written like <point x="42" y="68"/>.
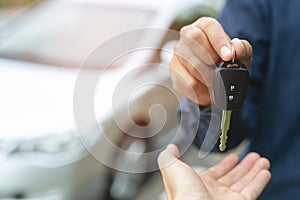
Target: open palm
<point x="226" y="180"/>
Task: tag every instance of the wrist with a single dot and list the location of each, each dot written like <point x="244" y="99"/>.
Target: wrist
<point x="190" y="196"/>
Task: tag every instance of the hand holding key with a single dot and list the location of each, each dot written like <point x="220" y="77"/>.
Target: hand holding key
<point x="202" y="46"/>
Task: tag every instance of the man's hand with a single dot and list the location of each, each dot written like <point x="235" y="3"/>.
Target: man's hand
<point x="227" y="180"/>
<point x="201" y="47"/>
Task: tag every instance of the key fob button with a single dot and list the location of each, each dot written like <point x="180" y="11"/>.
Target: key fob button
<point x="231" y="98"/>
<point x="232" y="88"/>
<point x="230" y="85"/>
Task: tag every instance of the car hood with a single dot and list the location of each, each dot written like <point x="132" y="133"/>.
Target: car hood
<point x="37" y="100"/>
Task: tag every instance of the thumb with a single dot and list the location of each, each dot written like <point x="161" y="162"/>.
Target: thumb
<point x="168" y="156"/>
<point x="165" y="158"/>
<point x="178" y="177"/>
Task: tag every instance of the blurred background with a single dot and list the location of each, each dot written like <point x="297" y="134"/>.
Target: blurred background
<point x="43" y="43"/>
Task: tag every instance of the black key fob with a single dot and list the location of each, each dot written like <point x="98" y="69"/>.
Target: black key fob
<point x="230" y="85"/>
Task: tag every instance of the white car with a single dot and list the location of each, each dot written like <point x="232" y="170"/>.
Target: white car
<point x="42" y="156"/>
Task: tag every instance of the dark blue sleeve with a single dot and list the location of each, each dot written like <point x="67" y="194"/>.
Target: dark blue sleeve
<point x="202" y="126"/>
<point x="249" y="20"/>
<point x="246" y="19"/>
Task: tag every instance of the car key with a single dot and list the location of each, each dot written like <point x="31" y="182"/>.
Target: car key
<point x="230" y="85"/>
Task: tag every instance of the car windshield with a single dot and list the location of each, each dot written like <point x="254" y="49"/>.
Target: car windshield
<point x="65" y="34"/>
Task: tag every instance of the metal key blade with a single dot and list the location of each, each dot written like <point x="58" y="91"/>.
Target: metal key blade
<point x="225" y="124"/>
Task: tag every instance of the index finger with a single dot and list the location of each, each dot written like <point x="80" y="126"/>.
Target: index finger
<point x="216" y="35"/>
<point x="221" y="169"/>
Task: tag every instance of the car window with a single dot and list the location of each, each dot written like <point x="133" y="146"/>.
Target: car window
<point x="65" y="34"/>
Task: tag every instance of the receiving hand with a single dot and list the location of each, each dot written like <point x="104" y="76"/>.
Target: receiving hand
<point x="227" y="180"/>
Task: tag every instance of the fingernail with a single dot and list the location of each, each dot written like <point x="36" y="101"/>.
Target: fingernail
<point x="225" y="52"/>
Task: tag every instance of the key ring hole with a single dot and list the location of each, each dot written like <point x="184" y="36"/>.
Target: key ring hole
<point x="236" y="64"/>
<point x="230" y="65"/>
